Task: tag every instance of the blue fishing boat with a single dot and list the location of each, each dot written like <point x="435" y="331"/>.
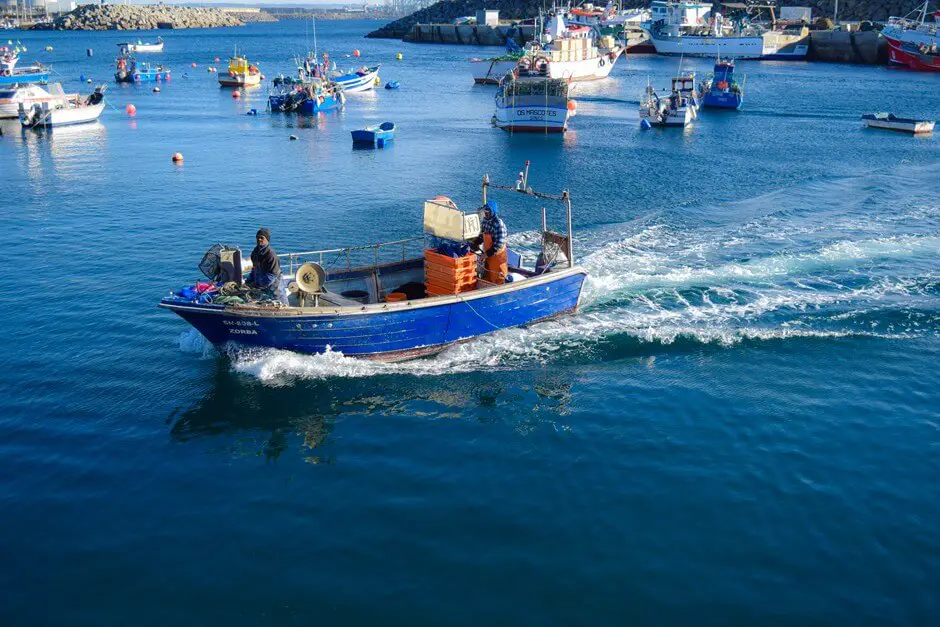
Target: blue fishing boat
<point x="307" y="95"/>
<point x="130" y="70"/>
<point x="375" y="135"/>
<point x="720" y="90"/>
<point x="363" y="79"/>
<point x="390" y="308"/>
<point x="11" y="75"/>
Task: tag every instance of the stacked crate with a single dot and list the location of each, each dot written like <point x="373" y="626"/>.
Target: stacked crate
<point x="449" y="275"/>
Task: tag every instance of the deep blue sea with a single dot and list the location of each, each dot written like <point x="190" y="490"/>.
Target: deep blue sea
<point x="741" y="426"/>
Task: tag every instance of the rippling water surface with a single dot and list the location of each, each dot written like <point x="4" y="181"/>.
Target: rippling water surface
<point x="740" y="425"/>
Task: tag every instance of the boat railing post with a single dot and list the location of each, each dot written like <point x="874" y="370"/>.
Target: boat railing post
<point x="375" y="256"/>
<point x="486" y="181"/>
<point x="544" y="221"/>
<point x="567" y="198"/>
<point x="348" y="262"/>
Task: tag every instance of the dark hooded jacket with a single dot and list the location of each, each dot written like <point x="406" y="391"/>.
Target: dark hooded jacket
<point x="265" y="267"/>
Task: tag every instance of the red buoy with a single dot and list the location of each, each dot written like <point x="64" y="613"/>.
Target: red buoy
<point x="355" y="53"/>
<point x="236" y="94"/>
<point x="177" y="157"/>
<point x="131" y="110"/>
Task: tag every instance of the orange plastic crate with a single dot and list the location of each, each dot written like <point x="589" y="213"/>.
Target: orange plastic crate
<point x="442" y="284"/>
<point x="431" y="290"/>
<point x="468" y="260"/>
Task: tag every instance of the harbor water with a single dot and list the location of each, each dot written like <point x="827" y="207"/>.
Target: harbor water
<point x="740" y="425"/>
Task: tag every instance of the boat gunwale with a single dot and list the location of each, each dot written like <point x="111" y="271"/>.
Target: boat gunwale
<point x="372" y="308"/>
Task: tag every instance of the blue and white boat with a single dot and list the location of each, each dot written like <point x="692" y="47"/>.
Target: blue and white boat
<point x="375" y="135"/>
<point x="363" y="79"/>
<point x="720" y="90"/>
<point x="130" y="70"/>
<point x="11" y="75"/>
<point x="348" y="306"/>
<point x="304" y="95"/>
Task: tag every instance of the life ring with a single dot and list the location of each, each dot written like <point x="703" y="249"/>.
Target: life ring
<point x="541" y="64"/>
<point x="602" y="63"/>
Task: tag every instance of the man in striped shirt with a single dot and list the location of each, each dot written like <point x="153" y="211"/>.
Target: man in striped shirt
<point x="494" y="244"/>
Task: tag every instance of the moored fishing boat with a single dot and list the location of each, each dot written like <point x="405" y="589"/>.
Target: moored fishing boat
<point x="307" y="95"/>
<point x="11" y="75"/>
<point x="691" y="29"/>
<point x="29" y="94"/>
<point x="720" y="90"/>
<point x="913" y="41"/>
<point x="891" y="122"/>
<point x="142" y="47"/>
<point x="572" y="52"/>
<point x="241" y="73"/>
<point x="363" y="79"/>
<point x="130" y="70"/>
<point x="397" y="308"/>
<point x="63" y="113"/>
<point x="528" y="100"/>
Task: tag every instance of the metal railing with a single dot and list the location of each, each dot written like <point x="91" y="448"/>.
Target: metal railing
<point x="370" y="255"/>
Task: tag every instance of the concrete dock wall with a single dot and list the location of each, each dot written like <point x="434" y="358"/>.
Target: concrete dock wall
<point x="841" y="46"/>
<point x="469" y="34"/>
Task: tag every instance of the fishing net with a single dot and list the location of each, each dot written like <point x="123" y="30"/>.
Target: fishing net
<point x="211" y="264"/>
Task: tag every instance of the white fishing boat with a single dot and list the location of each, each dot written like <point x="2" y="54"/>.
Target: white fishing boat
<point x="529" y="100"/>
<point x="694" y="30"/>
<point x="572" y="52"/>
<point x="11" y="97"/>
<point x="68" y="112"/>
<point x="675" y="109"/>
<point x="142" y="47"/>
<point x="891" y="122"/>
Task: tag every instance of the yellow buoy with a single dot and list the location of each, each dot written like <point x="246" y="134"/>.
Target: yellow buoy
<point x="399" y="56"/>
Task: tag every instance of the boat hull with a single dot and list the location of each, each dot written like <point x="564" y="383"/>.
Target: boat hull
<point x="899" y="54"/>
<point x="769" y="46"/>
<point x="26" y="77"/>
<point x="531" y="117"/>
<point x="352" y="83"/>
<point x="142" y="77"/>
<point x="65" y="116"/>
<point x="722" y="100"/>
<point x="250" y="80"/>
<point x="915" y="127"/>
<point x="389" y="331"/>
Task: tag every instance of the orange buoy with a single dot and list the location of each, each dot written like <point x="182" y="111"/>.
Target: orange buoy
<point x="177" y="157"/>
<point x="236" y="94"/>
<point x="193" y="64"/>
<point x="131" y="110"/>
<point x="572" y="106"/>
<point x="355" y="53"/>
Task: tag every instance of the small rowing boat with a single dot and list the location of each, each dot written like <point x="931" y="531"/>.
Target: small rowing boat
<point x="892" y="122"/>
<point x="375" y="135"/>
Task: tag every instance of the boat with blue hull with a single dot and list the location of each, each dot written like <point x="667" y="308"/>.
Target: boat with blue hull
<point x="11" y="75"/>
<point x="350" y="308"/>
<point x="130" y="70"/>
<point x="375" y="135"/>
<point x="306" y="95"/>
<point x="720" y="90"/>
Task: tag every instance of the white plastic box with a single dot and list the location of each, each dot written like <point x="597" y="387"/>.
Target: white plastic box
<point x="443" y="219"/>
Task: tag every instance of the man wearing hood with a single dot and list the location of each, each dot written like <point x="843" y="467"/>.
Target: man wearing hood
<point x="265" y="268"/>
<point x="494" y="232"/>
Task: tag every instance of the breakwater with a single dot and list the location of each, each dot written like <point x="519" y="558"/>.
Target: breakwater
<point x="148" y="17"/>
<point x="446" y="11"/>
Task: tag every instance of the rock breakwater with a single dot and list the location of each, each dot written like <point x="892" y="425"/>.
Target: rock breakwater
<point x="142" y="17"/>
